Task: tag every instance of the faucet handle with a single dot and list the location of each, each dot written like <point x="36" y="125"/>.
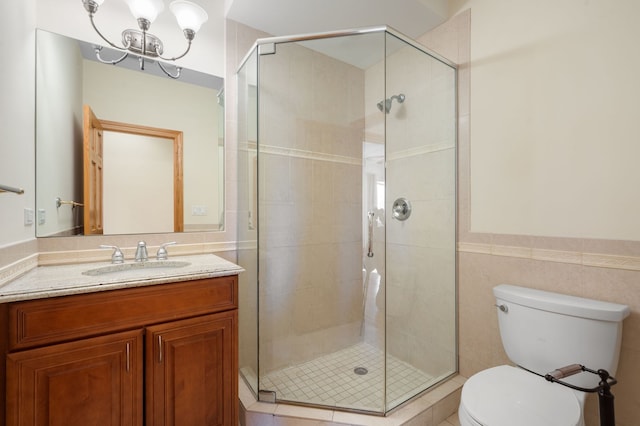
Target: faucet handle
<point x="117" y="256"/>
<point x="141" y="252"/>
<point x="162" y="251"/>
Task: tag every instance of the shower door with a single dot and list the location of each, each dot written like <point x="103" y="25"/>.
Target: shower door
<point x="420" y="135"/>
<point x="312" y="125"/>
<point x="339" y="289"/>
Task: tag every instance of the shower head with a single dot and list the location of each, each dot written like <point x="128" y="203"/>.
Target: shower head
<point x="386" y="104"/>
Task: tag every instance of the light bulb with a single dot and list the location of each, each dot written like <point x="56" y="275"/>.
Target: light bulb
<point x="145" y="9"/>
<point x="92" y="6"/>
<point x="189" y="15"/>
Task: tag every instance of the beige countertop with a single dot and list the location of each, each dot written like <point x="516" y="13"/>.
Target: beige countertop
<point x="62" y="280"/>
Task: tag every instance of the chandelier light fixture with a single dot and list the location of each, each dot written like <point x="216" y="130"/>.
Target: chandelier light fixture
<point x="143" y="44"/>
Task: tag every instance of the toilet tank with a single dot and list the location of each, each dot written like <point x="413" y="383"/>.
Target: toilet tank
<point x="542" y="331"/>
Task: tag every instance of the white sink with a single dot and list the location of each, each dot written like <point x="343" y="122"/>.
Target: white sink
<point x="137" y="266"/>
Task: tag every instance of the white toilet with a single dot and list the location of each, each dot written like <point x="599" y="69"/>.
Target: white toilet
<point x="543" y="331"/>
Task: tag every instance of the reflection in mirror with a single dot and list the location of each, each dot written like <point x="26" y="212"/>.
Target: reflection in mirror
<point x="68" y="77"/>
<point x="158" y="155"/>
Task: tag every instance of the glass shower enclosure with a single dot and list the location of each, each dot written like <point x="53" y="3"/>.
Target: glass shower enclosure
<point x="347" y="219"/>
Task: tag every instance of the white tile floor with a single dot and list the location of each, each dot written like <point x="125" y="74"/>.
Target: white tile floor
<point x="330" y="380"/>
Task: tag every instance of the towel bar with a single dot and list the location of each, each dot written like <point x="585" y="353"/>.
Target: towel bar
<point x="5" y="188"/>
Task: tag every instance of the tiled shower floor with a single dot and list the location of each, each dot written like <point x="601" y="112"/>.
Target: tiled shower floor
<point x="330" y="380"/>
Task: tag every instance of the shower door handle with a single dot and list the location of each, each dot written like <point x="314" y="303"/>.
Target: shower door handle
<point x="370" y="245"/>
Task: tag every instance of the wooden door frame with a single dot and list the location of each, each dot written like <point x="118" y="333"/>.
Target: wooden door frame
<point x="176" y="136"/>
<point x="92" y="147"/>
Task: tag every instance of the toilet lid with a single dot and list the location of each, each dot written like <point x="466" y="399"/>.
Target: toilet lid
<point x="508" y="395"/>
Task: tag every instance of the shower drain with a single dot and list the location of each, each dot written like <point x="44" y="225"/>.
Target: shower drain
<point x="360" y="371"/>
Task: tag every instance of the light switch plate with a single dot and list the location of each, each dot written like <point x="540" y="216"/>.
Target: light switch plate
<point x="28" y="216"/>
<point x="42" y="216"/>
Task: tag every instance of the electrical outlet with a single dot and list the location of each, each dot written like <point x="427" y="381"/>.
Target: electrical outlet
<point x="198" y="211"/>
<point x="42" y="216"/>
<point x="28" y="216"/>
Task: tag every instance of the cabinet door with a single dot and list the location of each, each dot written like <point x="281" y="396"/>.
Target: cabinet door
<point x="192" y="372"/>
<point x="95" y="381"/>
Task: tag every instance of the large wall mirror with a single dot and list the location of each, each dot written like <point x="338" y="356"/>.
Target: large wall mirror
<point x="162" y="144"/>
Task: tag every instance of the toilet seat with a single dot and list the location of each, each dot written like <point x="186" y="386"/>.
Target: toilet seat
<point x="506" y="396"/>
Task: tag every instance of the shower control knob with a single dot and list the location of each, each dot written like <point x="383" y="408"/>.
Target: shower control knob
<point x="401" y="209"/>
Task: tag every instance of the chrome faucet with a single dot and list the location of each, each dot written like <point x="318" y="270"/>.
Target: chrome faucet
<point x="141" y="252"/>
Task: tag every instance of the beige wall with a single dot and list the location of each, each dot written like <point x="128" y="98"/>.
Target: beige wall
<point x="554" y="103"/>
<point x="605" y="269"/>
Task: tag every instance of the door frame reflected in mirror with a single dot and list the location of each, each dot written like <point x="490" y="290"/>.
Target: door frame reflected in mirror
<point x="93" y="181"/>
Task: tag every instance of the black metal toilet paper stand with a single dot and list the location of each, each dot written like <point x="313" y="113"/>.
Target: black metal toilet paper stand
<point x="605" y="397"/>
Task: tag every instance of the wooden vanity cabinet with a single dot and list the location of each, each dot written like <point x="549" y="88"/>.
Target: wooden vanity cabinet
<point x="158" y="355"/>
<point x="190" y="371"/>
<point x="89" y="382"/>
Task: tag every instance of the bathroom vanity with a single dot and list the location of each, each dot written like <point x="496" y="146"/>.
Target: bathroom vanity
<point x="157" y="347"/>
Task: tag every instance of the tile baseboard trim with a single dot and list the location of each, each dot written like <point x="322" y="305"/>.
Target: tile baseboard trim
<point x="14" y="270"/>
<point x="301" y="153"/>
<point x="629" y="263"/>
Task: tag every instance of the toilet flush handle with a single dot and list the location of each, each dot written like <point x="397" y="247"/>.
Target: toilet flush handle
<point x="503" y="308"/>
